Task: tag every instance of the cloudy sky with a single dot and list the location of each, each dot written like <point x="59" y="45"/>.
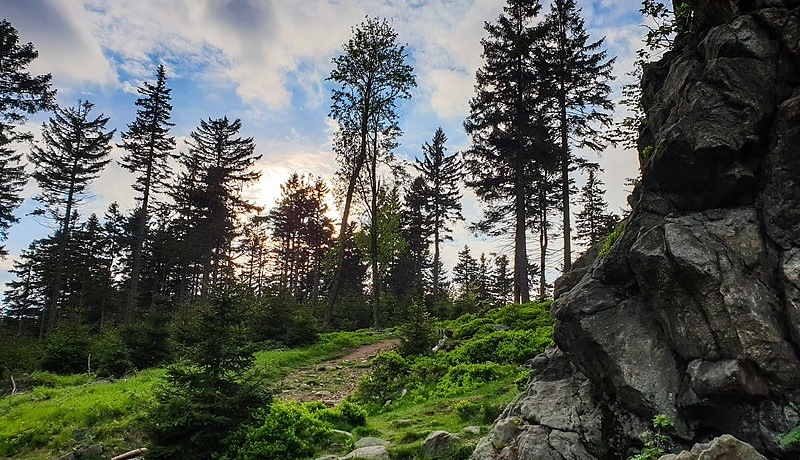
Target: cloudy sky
<point x="265" y="61"/>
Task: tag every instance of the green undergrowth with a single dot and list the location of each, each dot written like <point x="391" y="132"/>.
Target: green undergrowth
<point x="468" y="383"/>
<point x="62" y="412"/>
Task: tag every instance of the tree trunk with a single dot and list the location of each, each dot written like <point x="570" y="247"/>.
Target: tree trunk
<point x="63" y="241"/>
<point x="336" y="284"/>
<point x="521" y="289"/>
<point x="436" y="256"/>
<point x="543" y="242"/>
<point x="565" y="182"/>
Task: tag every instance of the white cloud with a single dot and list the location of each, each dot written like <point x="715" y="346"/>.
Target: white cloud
<point x="67" y="49"/>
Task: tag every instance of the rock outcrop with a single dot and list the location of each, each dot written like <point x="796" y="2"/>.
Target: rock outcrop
<point x="695" y="311"/>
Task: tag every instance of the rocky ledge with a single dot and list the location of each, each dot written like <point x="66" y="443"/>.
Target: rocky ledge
<point x="695" y="311"/>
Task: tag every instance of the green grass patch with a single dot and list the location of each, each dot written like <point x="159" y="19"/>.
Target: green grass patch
<point x="280" y="362"/>
<point x="62" y="412"/>
<point x="57" y="419"/>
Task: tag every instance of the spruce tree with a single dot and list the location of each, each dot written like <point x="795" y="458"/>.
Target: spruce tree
<point x="441" y="173"/>
<point x="465" y="272"/>
<point x="593" y="222"/>
<point x="580" y="94"/>
<point x="408" y="276"/>
<point x="302" y="231"/>
<point x="501" y="280"/>
<point x="214" y="390"/>
<point x="217" y="167"/>
<point x="371" y="75"/>
<point x="149" y="146"/>
<point x="21" y="94"/>
<point x="510" y="138"/>
<point x="75" y="150"/>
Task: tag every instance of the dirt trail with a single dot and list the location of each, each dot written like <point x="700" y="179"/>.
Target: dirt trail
<point x="332" y="381"/>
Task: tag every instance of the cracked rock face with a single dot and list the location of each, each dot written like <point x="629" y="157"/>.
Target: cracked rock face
<point x="695" y="311"/>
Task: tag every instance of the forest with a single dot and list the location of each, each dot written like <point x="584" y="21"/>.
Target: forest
<point x="196" y="278"/>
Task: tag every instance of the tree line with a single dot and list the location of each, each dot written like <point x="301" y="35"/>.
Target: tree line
<point x="541" y="95"/>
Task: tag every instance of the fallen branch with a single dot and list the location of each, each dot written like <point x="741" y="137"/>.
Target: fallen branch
<point x="130" y="454"/>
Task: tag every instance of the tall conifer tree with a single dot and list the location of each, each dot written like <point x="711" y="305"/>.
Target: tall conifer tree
<point x="593" y="223"/>
<point x="75" y="150"/>
<point x="441" y="173"/>
<point x="218" y="165"/>
<point x="580" y="72"/>
<point x="148" y="146"/>
<point x="508" y="129"/>
<point x="21" y="94"/>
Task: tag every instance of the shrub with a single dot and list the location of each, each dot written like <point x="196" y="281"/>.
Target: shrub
<point x="18" y="354"/>
<point x="611" y="239"/>
<point x="791" y="438"/>
<point x="467" y="410"/>
<point x="66" y="350"/>
<point x="288" y="429"/>
<point x="429" y="368"/>
<point x="506" y="347"/>
<point x="147" y="341"/>
<point x="353" y="414"/>
<point x="279" y="317"/>
<point x="109" y="355"/>
<point x="472" y="326"/>
<point x="213" y="392"/>
<point x="657" y="443"/>
<point x="462" y="378"/>
<point x="388" y="377"/>
<point x="418" y="335"/>
<point x="525" y="316"/>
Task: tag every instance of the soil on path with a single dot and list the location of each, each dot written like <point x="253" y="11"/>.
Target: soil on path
<point x="332" y="381"/>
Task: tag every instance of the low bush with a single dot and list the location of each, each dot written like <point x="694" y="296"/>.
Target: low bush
<point x="467" y="410"/>
<point x="388" y="378"/>
<point x="147" y="341"/>
<point x="290" y="429"/>
<point x="462" y="378"/>
<point x="506" y="347"/>
<point x="791" y="438"/>
<point x="418" y="334"/>
<point x="66" y="350"/>
<point x="109" y="354"/>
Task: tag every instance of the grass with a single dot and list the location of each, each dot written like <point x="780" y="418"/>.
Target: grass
<point x="407" y="424"/>
<point x="51" y="419"/>
<point x="64" y="412"/>
<point x="280" y="362"/>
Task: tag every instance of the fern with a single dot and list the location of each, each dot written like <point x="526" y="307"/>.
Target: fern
<point x="791" y="438"/>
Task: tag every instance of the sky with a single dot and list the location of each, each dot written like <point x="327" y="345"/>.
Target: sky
<point x="265" y="61"/>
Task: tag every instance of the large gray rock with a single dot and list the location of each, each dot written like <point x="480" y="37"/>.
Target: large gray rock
<point x="725" y="447"/>
<point x="695" y="311"/>
<point x="370" y="441"/>
<point x="368" y="453"/>
<point x="439" y="443"/>
<point x="560" y="415"/>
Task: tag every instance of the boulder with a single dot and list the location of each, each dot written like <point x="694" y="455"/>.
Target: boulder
<point x="725" y="447"/>
<point x="369" y="442"/>
<point x="368" y="453"/>
<point x="471" y="430"/>
<point x="439" y="443"/>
